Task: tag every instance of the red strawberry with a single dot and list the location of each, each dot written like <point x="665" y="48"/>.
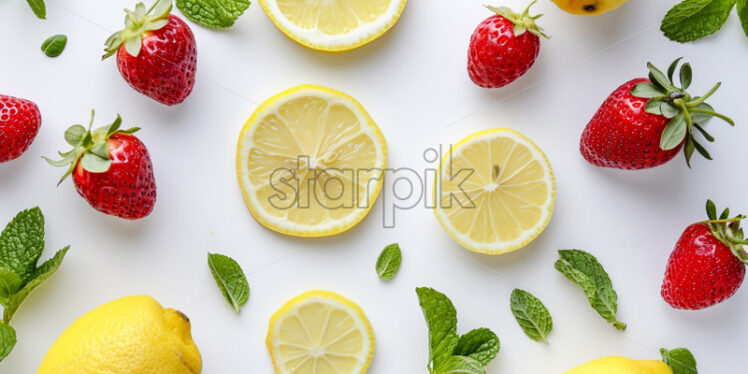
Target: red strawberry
<point x="645" y="122"/>
<point x="708" y="264"/>
<point x="19" y="123"/>
<point x="503" y="47"/>
<point x="111" y="169"/>
<point x="156" y="53"/>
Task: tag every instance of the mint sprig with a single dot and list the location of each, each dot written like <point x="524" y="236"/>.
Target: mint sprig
<point x="692" y="20"/>
<point x="583" y="269"/>
<point x="449" y="352"/>
<point x="680" y="360"/>
<point x="533" y="317"/>
<point x="687" y="113"/>
<point x="230" y="279"/>
<point x="214" y="14"/>
<point x="388" y="262"/>
<point x="21" y="246"/>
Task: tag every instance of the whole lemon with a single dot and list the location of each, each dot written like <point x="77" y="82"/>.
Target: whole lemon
<point x="588" y="7"/>
<point x="621" y="365"/>
<point x="131" y="335"/>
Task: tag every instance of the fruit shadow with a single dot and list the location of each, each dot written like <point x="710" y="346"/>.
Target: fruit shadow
<point x="656" y="184"/>
<point x="518" y="257"/>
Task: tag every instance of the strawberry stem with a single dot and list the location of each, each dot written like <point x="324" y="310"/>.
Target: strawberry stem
<point x="715" y="114"/>
<point x="701" y="99"/>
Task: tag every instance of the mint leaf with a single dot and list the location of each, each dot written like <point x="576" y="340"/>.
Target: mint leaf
<point x="40" y="274"/>
<point x="230" y="279"/>
<point x="694" y="19"/>
<point x="22" y="242"/>
<point x="7" y="340"/>
<point x="441" y="319"/>
<point x="38" y="7"/>
<point x="462" y="364"/>
<point x="481" y="345"/>
<point x="54" y="45"/>
<point x="743" y="14"/>
<point x="680" y="360"/>
<point x="532" y="315"/>
<point x="389" y="261"/>
<point x="10" y="282"/>
<point x="215" y="14"/>
<point x="583" y="269"/>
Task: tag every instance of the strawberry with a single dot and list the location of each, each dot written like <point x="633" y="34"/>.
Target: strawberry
<point x="111" y="169"/>
<point x="707" y="265"/>
<point x="19" y="123"/>
<point x="156" y="53"/>
<point x="503" y="47"/>
<point x="645" y="122"/>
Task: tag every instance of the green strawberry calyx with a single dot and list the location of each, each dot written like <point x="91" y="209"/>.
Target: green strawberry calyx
<point x="523" y="22"/>
<point x="138" y="23"/>
<point x="727" y="230"/>
<point x="685" y="112"/>
<point x="89" y="147"/>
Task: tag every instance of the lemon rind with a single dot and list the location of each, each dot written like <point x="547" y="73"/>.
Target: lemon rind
<point x="529" y="236"/>
<point x="335" y="43"/>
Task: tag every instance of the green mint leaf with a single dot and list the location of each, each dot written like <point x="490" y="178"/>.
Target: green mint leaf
<point x="10" y="282"/>
<point x="481" y="345"/>
<point x="743" y="14"/>
<point x="230" y="279"/>
<point x="54" y="45"/>
<point x="583" y="269"/>
<point x="674" y="132"/>
<point x="22" y="242"/>
<point x="533" y="317"/>
<point x="38" y="7"/>
<point x="214" y="14"/>
<point x="694" y="19"/>
<point x="461" y="364"/>
<point x="7" y="340"/>
<point x="441" y="319"/>
<point x="40" y="274"/>
<point x="680" y="360"/>
<point x="389" y="261"/>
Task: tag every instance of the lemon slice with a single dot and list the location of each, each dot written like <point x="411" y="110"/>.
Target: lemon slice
<point x="494" y="192"/>
<point x="320" y="332"/>
<point x="333" y="25"/>
<point x="310" y="162"/>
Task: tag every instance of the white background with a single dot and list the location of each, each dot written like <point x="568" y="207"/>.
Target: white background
<point x="413" y="82"/>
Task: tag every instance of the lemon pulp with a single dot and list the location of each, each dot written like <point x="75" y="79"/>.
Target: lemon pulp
<point x="320" y="332"/>
<point x="310" y="162"/>
<point x="494" y="191"/>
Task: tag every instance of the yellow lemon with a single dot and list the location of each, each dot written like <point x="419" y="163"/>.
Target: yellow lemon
<point x="494" y="192"/>
<point x="320" y="332"/>
<point x="589" y="7"/>
<point x="333" y="25"/>
<point x="621" y="365"/>
<point x="310" y="162"/>
<point x="129" y="335"/>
